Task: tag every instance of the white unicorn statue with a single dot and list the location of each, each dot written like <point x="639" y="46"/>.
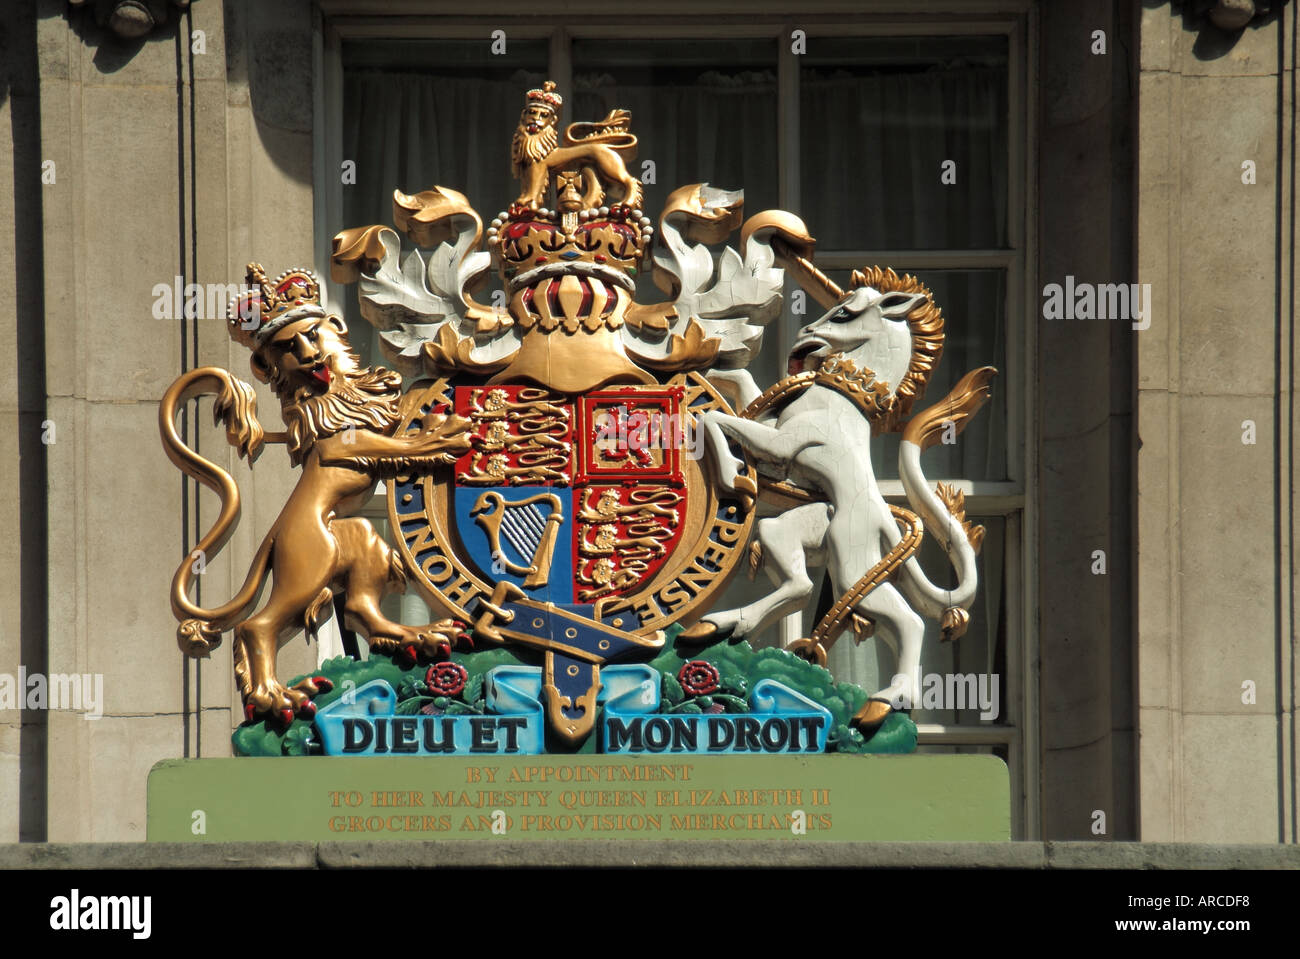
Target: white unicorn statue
<point x="853" y="373"/>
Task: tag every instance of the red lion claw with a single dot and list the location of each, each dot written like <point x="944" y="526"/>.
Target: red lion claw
<point x="409" y="652"/>
<point x="444" y="649"/>
<point x="287" y="715"/>
<point x="465" y="640"/>
<point x="322" y="684"/>
<point x="249" y="710"/>
<point x="307" y="710"/>
<point x="459" y="624"/>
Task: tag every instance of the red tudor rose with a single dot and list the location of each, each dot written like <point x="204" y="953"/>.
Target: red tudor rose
<point x="446" y="679"/>
<point x="698" y="678"/>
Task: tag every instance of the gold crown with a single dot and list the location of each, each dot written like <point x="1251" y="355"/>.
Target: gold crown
<point x="546" y="95"/>
<point x="265" y="306"/>
<point x="605" y="242"/>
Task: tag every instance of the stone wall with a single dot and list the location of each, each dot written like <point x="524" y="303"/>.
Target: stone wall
<point x="1215" y="516"/>
<point x="22" y="411"/>
<point x="169" y="163"/>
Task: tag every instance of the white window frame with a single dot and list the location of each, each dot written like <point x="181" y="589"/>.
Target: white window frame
<point x="1014" y="498"/>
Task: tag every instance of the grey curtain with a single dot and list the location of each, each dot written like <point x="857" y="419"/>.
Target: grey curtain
<point x="873" y="155"/>
<point x="411" y="131"/>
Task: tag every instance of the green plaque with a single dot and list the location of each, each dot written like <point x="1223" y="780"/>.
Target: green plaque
<point x="814" y="798"/>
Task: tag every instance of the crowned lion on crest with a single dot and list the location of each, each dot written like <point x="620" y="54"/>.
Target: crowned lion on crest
<point x="341" y="423"/>
<point x="599" y="149"/>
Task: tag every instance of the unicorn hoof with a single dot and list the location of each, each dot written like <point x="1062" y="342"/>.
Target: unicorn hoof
<point x="704" y="632"/>
<point x="872" y="713"/>
<point x="747" y="490"/>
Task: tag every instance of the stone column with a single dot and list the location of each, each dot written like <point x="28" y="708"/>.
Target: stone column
<point x="22" y="413"/>
<point x="184" y="155"/>
<point x="1084" y="458"/>
<point x="1216" y="219"/>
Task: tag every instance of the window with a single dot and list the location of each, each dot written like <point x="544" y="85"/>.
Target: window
<point x="901" y="144"/>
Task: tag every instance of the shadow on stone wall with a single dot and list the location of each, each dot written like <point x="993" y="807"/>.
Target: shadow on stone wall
<point x="118" y="29"/>
<point x="269" y="56"/>
<point x="1219" y="24"/>
<point x="28" y="479"/>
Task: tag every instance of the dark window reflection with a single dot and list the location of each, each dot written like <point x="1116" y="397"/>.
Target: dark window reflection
<point x="879" y="116"/>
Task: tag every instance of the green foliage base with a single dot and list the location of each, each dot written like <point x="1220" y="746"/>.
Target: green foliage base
<point x="739" y="667"/>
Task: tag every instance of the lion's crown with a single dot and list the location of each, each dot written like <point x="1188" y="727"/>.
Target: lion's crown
<point x="265" y="306"/>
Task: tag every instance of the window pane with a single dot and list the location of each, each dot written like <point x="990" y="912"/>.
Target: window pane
<point x="420" y="113"/>
<point x="703" y="111"/>
<point x="879" y="117"/>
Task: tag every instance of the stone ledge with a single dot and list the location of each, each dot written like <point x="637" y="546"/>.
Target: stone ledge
<point x="626" y="853"/>
<point x="158" y="855"/>
<point x="695" y="853"/>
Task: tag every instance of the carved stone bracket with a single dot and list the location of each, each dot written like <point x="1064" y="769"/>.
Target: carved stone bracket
<point x="1235" y="14"/>
<point x="131" y="19"/>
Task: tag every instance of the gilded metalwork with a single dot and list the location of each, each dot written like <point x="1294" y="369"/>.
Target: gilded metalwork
<point x="491" y="511"/>
<point x="540" y="488"/>
<point x="342" y="424"/>
<point x="925" y="323"/>
<point x="592" y="152"/>
<point x="691" y="351"/>
<point x="955" y="500"/>
<point x="962" y="402"/>
<point x="836" y="372"/>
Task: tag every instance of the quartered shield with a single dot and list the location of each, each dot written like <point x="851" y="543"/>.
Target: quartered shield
<point x="577" y="525"/>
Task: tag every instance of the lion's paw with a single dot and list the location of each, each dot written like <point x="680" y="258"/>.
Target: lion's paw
<point x="435" y="641"/>
<point x="282" y="703"/>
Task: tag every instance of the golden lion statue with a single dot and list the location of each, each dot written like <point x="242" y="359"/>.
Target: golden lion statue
<point x="341" y="423"/>
<point x="536" y="154"/>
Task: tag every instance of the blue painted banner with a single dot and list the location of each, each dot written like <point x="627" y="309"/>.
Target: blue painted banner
<point x="366" y="724"/>
<point x="780" y="721"/>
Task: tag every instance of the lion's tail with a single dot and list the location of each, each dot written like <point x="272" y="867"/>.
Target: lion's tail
<point x="235" y="406"/>
<point x="613" y="131"/>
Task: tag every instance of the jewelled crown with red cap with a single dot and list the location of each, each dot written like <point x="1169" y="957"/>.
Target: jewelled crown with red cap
<point x="547" y="95"/>
<point x="266" y="306"/>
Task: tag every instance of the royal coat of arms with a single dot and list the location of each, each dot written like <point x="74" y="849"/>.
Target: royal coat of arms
<point x="573" y="476"/>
